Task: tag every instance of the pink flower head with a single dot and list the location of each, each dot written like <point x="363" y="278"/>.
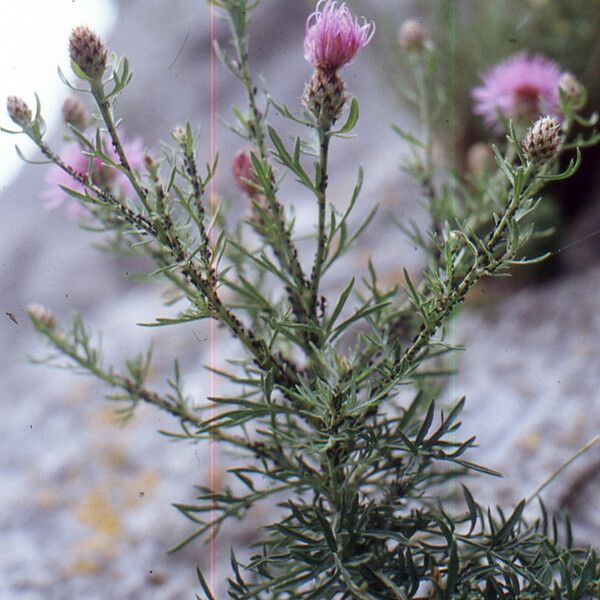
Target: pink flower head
<point x="521" y="87"/>
<point x="334" y="36"/>
<point x="242" y="170"/>
<point x="112" y="179"/>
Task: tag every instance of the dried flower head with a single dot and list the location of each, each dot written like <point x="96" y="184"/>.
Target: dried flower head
<point x="334" y="36"/>
<point x="243" y="173"/>
<point x="542" y="139"/>
<point x="112" y="179"/>
<point x="88" y="52"/>
<point x="18" y="111"/>
<point x="411" y="35"/>
<point x="520" y="88"/>
<point x="42" y="315"/>
<point x="572" y="88"/>
<point x="74" y="112"/>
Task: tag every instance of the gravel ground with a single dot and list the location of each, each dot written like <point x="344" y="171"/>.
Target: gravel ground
<point x="85" y="503"/>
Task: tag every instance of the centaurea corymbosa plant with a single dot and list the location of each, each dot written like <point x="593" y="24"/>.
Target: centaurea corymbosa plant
<point x="362" y="479"/>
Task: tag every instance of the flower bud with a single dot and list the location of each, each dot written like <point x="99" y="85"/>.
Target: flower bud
<point x="454" y="238"/>
<point x="324" y="96"/>
<point x="572" y="88"/>
<point x="41" y="315"/>
<point x="149" y="163"/>
<point x="88" y="52"/>
<point x="411" y="35"/>
<point x="542" y="139"/>
<point x="18" y="111"/>
<point x="74" y="113"/>
<point x="179" y="135"/>
<point x="479" y="158"/>
<point x="243" y="173"/>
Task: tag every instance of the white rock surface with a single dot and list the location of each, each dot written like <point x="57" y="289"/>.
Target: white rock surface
<point x="85" y="504"/>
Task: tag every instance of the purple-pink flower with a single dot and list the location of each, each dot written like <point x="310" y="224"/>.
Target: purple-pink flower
<point x="102" y="175"/>
<point x="522" y="87"/>
<point x="334" y="36"/>
<point x="242" y="170"/>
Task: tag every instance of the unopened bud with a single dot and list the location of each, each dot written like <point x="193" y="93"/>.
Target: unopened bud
<point x="454" y="237"/>
<point x="542" y="139"/>
<point x="479" y="158"/>
<point x="243" y="173"/>
<point x="572" y="88"/>
<point x="411" y="35"/>
<point x="149" y="162"/>
<point x="74" y="113"/>
<point x="41" y="315"/>
<point x="88" y="52"/>
<point x="18" y="111"/>
<point x="179" y="135"/>
<point x="324" y="96"/>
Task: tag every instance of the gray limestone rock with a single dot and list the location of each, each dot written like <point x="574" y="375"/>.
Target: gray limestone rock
<point x="85" y="508"/>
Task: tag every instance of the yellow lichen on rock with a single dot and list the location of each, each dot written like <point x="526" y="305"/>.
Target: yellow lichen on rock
<point x="96" y="511"/>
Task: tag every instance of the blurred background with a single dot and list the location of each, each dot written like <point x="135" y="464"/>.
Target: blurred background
<point x="85" y="502"/>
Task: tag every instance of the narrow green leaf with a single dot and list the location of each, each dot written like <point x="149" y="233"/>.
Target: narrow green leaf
<point x="585" y="577"/>
<point x="340" y="304"/>
<point x="504" y="166"/>
<point x="506" y="530"/>
<point x="471" y="506"/>
<point x="452" y="572"/>
<point x="352" y="119"/>
<point x="426" y="424"/>
<point x="357" y="316"/>
<point x="28" y="160"/>
<point x="408" y="137"/>
<point x="327" y="531"/>
<point x="204" y="585"/>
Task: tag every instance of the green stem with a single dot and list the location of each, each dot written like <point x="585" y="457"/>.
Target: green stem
<point x="257" y="348"/>
<point x="97" y="89"/>
<point x="283" y="245"/>
<point x="558" y="471"/>
<point x="419" y="69"/>
<point x="425" y="118"/>
<point x="256" y="129"/>
<point x="134" y="218"/>
<point x="483" y="264"/>
<point x="115" y="380"/>
<point x="284" y="375"/>
<point x="322" y="205"/>
<point x="198" y="187"/>
<point x="137" y="390"/>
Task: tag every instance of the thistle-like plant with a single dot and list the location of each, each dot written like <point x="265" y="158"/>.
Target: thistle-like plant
<point x="363" y="480"/>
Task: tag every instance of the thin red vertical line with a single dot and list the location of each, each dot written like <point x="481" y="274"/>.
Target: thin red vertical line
<point x="211" y="326"/>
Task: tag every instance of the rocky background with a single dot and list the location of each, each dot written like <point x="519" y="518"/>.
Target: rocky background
<point x="85" y="503"/>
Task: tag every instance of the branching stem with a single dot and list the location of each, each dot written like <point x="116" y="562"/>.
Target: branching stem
<point x="483" y="264"/>
<point x="134" y="218"/>
<point x="257" y="348"/>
